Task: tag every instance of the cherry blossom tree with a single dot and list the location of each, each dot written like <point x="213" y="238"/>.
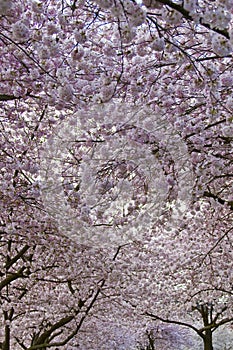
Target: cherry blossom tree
<point x="62" y="62"/>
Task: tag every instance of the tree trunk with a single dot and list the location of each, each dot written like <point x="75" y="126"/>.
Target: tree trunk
<point x="6" y="343"/>
<point x="208" y="341"/>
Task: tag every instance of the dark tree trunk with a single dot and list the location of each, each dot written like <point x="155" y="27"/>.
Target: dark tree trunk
<point x="208" y="341"/>
<point x="6" y="343"/>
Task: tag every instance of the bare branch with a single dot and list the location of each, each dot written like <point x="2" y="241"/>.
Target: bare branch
<point x="199" y="332"/>
<point x="12" y="277"/>
<point x="17" y="257"/>
<point x="187" y="16"/>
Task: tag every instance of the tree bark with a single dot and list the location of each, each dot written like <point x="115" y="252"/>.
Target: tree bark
<point x="6" y="343"/>
<point x="208" y="340"/>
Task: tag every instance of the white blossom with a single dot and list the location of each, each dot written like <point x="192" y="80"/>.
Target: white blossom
<point x="20" y="31"/>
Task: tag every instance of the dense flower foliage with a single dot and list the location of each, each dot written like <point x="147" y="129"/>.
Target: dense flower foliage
<point x="116" y="118"/>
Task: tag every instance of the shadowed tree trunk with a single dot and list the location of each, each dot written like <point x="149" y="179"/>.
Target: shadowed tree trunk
<point x="206" y="312"/>
<point x="208" y="341"/>
<point x="7" y="317"/>
<point x="6" y="343"/>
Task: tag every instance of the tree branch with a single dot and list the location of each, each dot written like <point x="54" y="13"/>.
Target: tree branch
<point x="187" y="16"/>
<point x="5" y="97"/>
<point x="216" y="325"/>
<point x="45" y="335"/>
<point x="218" y="199"/>
<point x="12" y="277"/>
<point x="65" y="341"/>
<point x="17" y="257"/>
<point x="199" y="332"/>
